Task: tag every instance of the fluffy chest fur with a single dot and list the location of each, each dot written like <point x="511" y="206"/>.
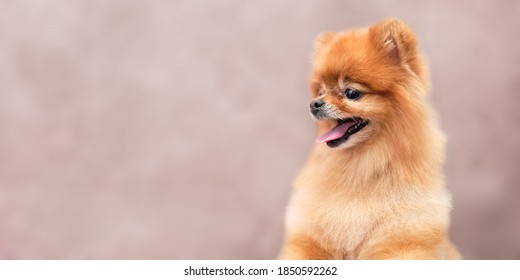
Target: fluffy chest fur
<point x="341" y="224"/>
<point x="343" y="214"/>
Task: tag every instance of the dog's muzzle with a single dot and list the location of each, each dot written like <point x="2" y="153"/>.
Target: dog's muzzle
<point x="317" y="108"/>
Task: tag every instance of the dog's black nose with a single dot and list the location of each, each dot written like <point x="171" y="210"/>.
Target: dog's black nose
<point x="317" y="104"/>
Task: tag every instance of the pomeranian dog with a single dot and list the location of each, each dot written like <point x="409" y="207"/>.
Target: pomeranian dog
<point x="372" y="187"/>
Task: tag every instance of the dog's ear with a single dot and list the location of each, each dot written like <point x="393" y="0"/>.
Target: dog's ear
<point x="394" y="38"/>
<point x="397" y="42"/>
<point x="322" y="40"/>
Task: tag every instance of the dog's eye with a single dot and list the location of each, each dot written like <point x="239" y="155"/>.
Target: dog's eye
<point x="353" y="94"/>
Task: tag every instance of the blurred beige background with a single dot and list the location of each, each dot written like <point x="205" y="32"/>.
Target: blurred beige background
<point x="173" y="129"/>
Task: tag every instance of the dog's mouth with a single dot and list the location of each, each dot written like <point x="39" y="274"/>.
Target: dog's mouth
<point x="342" y="131"/>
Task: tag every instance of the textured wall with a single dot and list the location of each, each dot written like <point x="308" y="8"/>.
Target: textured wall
<point x="165" y="129"/>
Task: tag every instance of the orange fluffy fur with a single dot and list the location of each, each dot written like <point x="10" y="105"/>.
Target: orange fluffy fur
<point x="381" y="194"/>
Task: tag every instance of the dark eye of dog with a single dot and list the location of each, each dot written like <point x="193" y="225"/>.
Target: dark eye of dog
<point x="352" y="94"/>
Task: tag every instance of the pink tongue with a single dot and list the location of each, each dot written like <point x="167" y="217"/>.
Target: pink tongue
<point x="335" y="133"/>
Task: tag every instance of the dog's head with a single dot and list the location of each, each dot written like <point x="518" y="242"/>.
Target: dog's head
<point x="365" y="82"/>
